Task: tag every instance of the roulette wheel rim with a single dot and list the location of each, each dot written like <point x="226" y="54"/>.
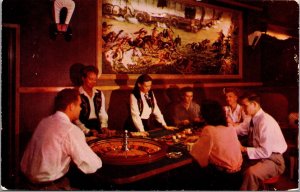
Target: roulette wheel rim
<point x="153" y="151"/>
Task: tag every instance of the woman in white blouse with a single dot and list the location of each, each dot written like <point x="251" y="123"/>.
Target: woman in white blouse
<point x="142" y="105"/>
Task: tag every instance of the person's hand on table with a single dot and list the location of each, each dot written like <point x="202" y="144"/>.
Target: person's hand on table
<point x="94" y="132"/>
<point x="139" y="134"/>
<point x="108" y="132"/>
<point x="171" y="128"/>
<point x="185" y="122"/>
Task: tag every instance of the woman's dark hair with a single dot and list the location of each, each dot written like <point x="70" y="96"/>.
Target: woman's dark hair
<point x="233" y="90"/>
<point x="213" y="112"/>
<point x="64" y="98"/>
<point x="88" y="69"/>
<point x="140" y="80"/>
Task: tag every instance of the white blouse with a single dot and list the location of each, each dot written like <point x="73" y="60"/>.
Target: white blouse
<point x="135" y="112"/>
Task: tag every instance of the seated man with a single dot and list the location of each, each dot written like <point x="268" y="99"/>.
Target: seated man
<point x="186" y="112"/>
<point x="266" y="144"/>
<point x="55" y="143"/>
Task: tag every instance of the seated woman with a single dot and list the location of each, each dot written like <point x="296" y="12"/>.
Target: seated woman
<point x="234" y="112"/>
<point x="187" y="112"/>
<point x="142" y="105"/>
<point x="218" y="147"/>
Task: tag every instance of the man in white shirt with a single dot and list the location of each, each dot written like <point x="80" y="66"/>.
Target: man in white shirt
<point x="266" y="144"/>
<point x="56" y="143"/>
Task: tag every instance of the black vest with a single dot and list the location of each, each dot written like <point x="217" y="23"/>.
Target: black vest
<point x="85" y="106"/>
<point x="137" y="95"/>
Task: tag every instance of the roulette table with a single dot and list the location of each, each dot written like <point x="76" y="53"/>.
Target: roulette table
<point x="145" y="156"/>
<point x="139" y="151"/>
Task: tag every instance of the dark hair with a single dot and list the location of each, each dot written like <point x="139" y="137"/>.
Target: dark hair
<point x="213" y="112"/>
<point x="140" y="80"/>
<point x="233" y="90"/>
<point x="88" y="69"/>
<point x="185" y="89"/>
<point x="64" y="98"/>
<point x="251" y="97"/>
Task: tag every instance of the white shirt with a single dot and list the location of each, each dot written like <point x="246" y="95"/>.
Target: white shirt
<point x="237" y="115"/>
<point x="103" y="116"/>
<point x="55" y="143"/>
<point x="135" y="113"/>
<point x="267" y="136"/>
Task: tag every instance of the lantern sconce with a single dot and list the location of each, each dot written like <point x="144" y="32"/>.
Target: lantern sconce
<point x="62" y="25"/>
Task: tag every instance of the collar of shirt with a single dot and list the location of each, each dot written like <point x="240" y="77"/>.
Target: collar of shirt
<point x="62" y="115"/>
<point x="146" y="109"/>
<point x="182" y="104"/>
<point x="82" y="91"/>
<point x="258" y="113"/>
<point x="237" y="109"/>
<point x="143" y="94"/>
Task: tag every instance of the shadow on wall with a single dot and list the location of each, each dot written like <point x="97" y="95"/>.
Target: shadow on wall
<point x="75" y="74"/>
<point x="173" y="94"/>
<point x="118" y="109"/>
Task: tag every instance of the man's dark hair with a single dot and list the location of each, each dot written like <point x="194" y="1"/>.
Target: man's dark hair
<point x="186" y="89"/>
<point x="213" y="112"/>
<point x="251" y="97"/>
<point x="88" y="69"/>
<point x="64" y="98"/>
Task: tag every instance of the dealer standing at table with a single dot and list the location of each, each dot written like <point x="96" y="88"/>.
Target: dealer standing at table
<point x="266" y="144"/>
<point x="142" y="105"/>
<point x="93" y="116"/>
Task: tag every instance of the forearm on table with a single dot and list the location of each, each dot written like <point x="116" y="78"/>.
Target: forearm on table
<point x="82" y="126"/>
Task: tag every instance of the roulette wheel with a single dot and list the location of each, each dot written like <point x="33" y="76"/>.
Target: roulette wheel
<point x="136" y="151"/>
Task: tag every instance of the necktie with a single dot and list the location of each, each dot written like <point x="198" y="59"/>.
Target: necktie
<point x="250" y="138"/>
<point x="148" y="100"/>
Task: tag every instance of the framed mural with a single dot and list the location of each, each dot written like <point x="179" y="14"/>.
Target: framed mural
<point x="168" y="39"/>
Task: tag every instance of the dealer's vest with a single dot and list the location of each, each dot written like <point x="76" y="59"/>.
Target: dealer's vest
<point x="85" y="106"/>
<point x="140" y="102"/>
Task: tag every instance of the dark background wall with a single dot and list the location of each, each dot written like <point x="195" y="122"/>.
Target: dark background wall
<point x="46" y="63"/>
